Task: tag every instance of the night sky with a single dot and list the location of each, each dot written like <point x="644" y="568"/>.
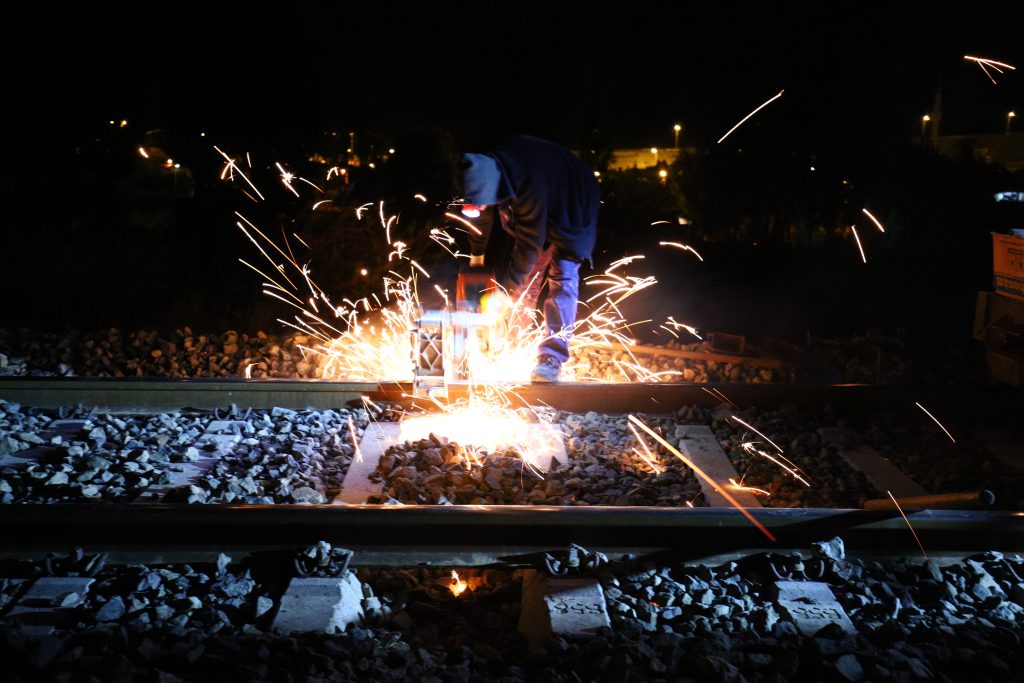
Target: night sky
<point x="857" y="79"/>
<point x="558" y="69"/>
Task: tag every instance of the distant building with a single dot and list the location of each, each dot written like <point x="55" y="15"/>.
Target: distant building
<point x="995" y="148"/>
<point x="629" y="159"/>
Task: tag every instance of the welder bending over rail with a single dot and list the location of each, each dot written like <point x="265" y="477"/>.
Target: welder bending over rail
<point x="547" y="199"/>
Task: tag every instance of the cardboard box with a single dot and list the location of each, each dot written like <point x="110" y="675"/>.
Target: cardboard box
<point x="1008" y="265"/>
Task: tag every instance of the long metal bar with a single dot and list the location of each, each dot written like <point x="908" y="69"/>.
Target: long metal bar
<point x="169" y="394"/>
<point x="961" y="500"/>
<point x="690" y="532"/>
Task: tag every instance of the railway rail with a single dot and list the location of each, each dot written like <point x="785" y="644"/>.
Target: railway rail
<point x="127" y="395"/>
<point x="509" y="530"/>
<point x="483" y="535"/>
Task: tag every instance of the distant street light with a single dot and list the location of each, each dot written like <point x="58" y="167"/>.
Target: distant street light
<point x="676" y="128"/>
<point x="663" y="174"/>
<point x="924" y="123"/>
<point x="1009" y="117"/>
<point x="654" y="151"/>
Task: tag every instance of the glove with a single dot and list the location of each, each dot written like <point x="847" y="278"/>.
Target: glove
<point x="476" y="261"/>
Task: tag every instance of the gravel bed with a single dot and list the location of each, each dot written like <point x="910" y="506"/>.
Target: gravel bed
<point x="144" y="353"/>
<point x="922" y="451"/>
<point x="605" y="364"/>
<point x="284" y="456"/>
<point x="287" y="456"/>
<point x="602" y="469"/>
<point x="915" y="620"/>
<point x="833" y="483"/>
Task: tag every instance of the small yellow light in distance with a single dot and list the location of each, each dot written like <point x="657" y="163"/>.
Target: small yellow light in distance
<point x="926" y="118"/>
<point x="373" y="165"/>
<point x="391" y="150"/>
<point x="364" y="272"/>
<point x="123" y="123"/>
<point x="654" y="150"/>
<point x="202" y="135"/>
<point x="677" y="128"/>
<point x="663" y="173"/>
<point x="597" y="174"/>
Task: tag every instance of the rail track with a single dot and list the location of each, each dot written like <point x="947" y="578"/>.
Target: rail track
<point x="351" y="590"/>
<point x="488" y="532"/>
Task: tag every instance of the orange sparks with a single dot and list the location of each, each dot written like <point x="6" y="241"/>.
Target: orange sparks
<point x="859" y="245"/>
<point x="743" y="120"/>
<point x="142" y="151"/>
<point x="355" y="441"/>
<point x="646" y="455"/>
<point x="788" y="466"/>
<point x="457" y="585"/>
<point x="873" y="219"/>
<point x="287" y="178"/>
<point x="717" y="393"/>
<point x="703" y="475"/>
<point x="311" y="185"/>
<point x="750" y="489"/>
<point x="462" y="220"/>
<point x="936" y="421"/>
<point x="370" y="404"/>
<point x="919" y="545"/>
<point x="675" y="325"/>
<point x="684" y="247"/>
<point x="985" y="63"/>
<point x="751" y="428"/>
<point x="229" y="171"/>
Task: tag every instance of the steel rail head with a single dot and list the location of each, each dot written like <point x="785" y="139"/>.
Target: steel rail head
<point x="681" y="530"/>
<point x="151" y="394"/>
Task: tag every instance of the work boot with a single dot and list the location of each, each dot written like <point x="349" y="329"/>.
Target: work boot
<point x="547" y="369"/>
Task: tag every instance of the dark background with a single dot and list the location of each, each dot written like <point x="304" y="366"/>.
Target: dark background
<point x="95" y="237"/>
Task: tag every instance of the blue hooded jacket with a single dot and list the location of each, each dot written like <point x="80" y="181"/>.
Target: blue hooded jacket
<point x="544" y="193"/>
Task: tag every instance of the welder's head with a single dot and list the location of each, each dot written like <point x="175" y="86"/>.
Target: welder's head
<point x="482" y="182"/>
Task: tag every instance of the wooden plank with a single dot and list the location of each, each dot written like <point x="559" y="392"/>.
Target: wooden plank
<point x="701" y="446"/>
<point x="698" y="355"/>
<point x="881" y="473"/>
<point x="378" y="437"/>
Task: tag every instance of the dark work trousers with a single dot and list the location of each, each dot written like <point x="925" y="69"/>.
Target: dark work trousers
<point x="561" y="275"/>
